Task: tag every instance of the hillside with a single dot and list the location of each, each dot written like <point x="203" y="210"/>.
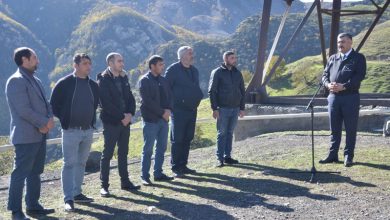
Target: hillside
<point x="302" y="76"/>
<point x="110" y="28"/>
<point x="12" y="35"/>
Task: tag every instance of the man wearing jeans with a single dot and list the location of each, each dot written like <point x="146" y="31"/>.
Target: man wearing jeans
<point x="226" y="91"/>
<point x="156" y="106"/>
<point x="31" y="120"/>
<point x="118" y="107"/>
<point x="74" y="100"/>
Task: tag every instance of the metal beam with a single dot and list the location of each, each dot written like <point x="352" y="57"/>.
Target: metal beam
<point x="258" y="76"/>
<point x="289" y="43"/>
<point x="379" y="15"/>
<point x="335" y="27"/>
<point x="322" y="35"/>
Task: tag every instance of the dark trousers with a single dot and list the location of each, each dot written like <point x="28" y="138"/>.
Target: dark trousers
<point x="28" y="166"/>
<point x="343" y="109"/>
<point x="113" y="135"/>
<point x="182" y="133"/>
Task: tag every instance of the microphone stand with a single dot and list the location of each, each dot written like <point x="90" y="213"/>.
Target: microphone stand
<point x="313" y="170"/>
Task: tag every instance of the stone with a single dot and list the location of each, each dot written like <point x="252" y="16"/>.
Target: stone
<point x="93" y="162"/>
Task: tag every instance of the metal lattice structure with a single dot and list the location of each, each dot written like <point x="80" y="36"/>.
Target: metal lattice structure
<point x="256" y="91"/>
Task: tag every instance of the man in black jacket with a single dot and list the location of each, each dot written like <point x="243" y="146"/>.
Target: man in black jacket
<point x="342" y="77"/>
<point x="156" y="107"/>
<point x="183" y="79"/>
<point x="227" y="92"/>
<point x="118" y="108"/>
<point x="74" y="101"/>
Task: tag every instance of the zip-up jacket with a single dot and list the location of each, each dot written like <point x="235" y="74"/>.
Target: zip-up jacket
<point x="62" y="98"/>
<point x="110" y="98"/>
<point x="185" y="87"/>
<point x="152" y="107"/>
<point x="226" y="88"/>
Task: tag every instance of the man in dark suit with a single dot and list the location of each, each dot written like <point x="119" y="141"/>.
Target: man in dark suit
<point x="183" y="79"/>
<point x="31" y="120"/>
<point x="342" y="77"/>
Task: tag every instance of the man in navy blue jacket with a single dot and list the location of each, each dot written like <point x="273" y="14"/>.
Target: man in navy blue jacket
<point x="183" y="79"/>
<point x="156" y="107"/>
<point x="227" y="94"/>
<point x="342" y="77"/>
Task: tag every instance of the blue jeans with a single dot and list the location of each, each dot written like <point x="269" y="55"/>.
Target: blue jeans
<point x="76" y="145"/>
<point x="226" y="123"/>
<point x="154" y="133"/>
<point x="28" y="166"/>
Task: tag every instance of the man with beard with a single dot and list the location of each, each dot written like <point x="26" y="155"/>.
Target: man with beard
<point x="31" y="120"/>
<point x="227" y="92"/>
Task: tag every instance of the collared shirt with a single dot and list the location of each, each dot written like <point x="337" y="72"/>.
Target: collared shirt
<point x="344" y="56"/>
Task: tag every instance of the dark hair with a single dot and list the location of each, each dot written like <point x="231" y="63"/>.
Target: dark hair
<point x="154" y="60"/>
<point x="347" y="35"/>
<point x="227" y="54"/>
<point x="79" y="56"/>
<point x="21" y="52"/>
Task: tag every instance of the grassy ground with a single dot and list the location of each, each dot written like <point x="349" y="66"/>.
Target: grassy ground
<point x="262" y="186"/>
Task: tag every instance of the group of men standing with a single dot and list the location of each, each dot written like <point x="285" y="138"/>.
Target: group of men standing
<point x="174" y="97"/>
<point x="74" y="101"/>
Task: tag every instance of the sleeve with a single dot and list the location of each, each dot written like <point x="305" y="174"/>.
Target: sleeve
<point x="147" y="100"/>
<point x="213" y="90"/>
<point x="57" y="98"/>
<point x="132" y="102"/>
<point x="326" y="74"/>
<point x="242" y="90"/>
<point x="106" y="101"/>
<point x="16" y="96"/>
<point x="354" y="82"/>
<point x="170" y="76"/>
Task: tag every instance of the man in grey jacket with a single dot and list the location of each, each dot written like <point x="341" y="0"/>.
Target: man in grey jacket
<point x="31" y="120"/>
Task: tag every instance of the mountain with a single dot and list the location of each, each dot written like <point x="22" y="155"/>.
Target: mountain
<point x="13" y="35"/>
<point x="109" y="28"/>
<point x="208" y="17"/>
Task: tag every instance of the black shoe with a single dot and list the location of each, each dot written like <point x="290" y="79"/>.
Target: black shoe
<point x="347" y="161"/>
<point x="129" y="186"/>
<point x="146" y="181"/>
<point x="220" y="163"/>
<point x="163" y="177"/>
<point x="81" y="198"/>
<point x="230" y="160"/>
<point x="329" y="160"/>
<point x="42" y="211"/>
<point x="69" y="206"/>
<point x="19" y="215"/>
<point x="178" y="173"/>
<point x="104" y="192"/>
<point x="187" y="170"/>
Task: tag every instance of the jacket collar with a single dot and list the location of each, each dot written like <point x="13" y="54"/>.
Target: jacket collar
<point x="349" y="54"/>
<point x="223" y="66"/>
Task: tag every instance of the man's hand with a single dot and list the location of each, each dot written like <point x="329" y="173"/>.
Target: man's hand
<point x="50" y="123"/>
<point x="215" y="114"/>
<point x="242" y="113"/>
<point x="126" y="121"/>
<point x="167" y="114"/>
<point x="44" y="130"/>
<point x="335" y="87"/>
